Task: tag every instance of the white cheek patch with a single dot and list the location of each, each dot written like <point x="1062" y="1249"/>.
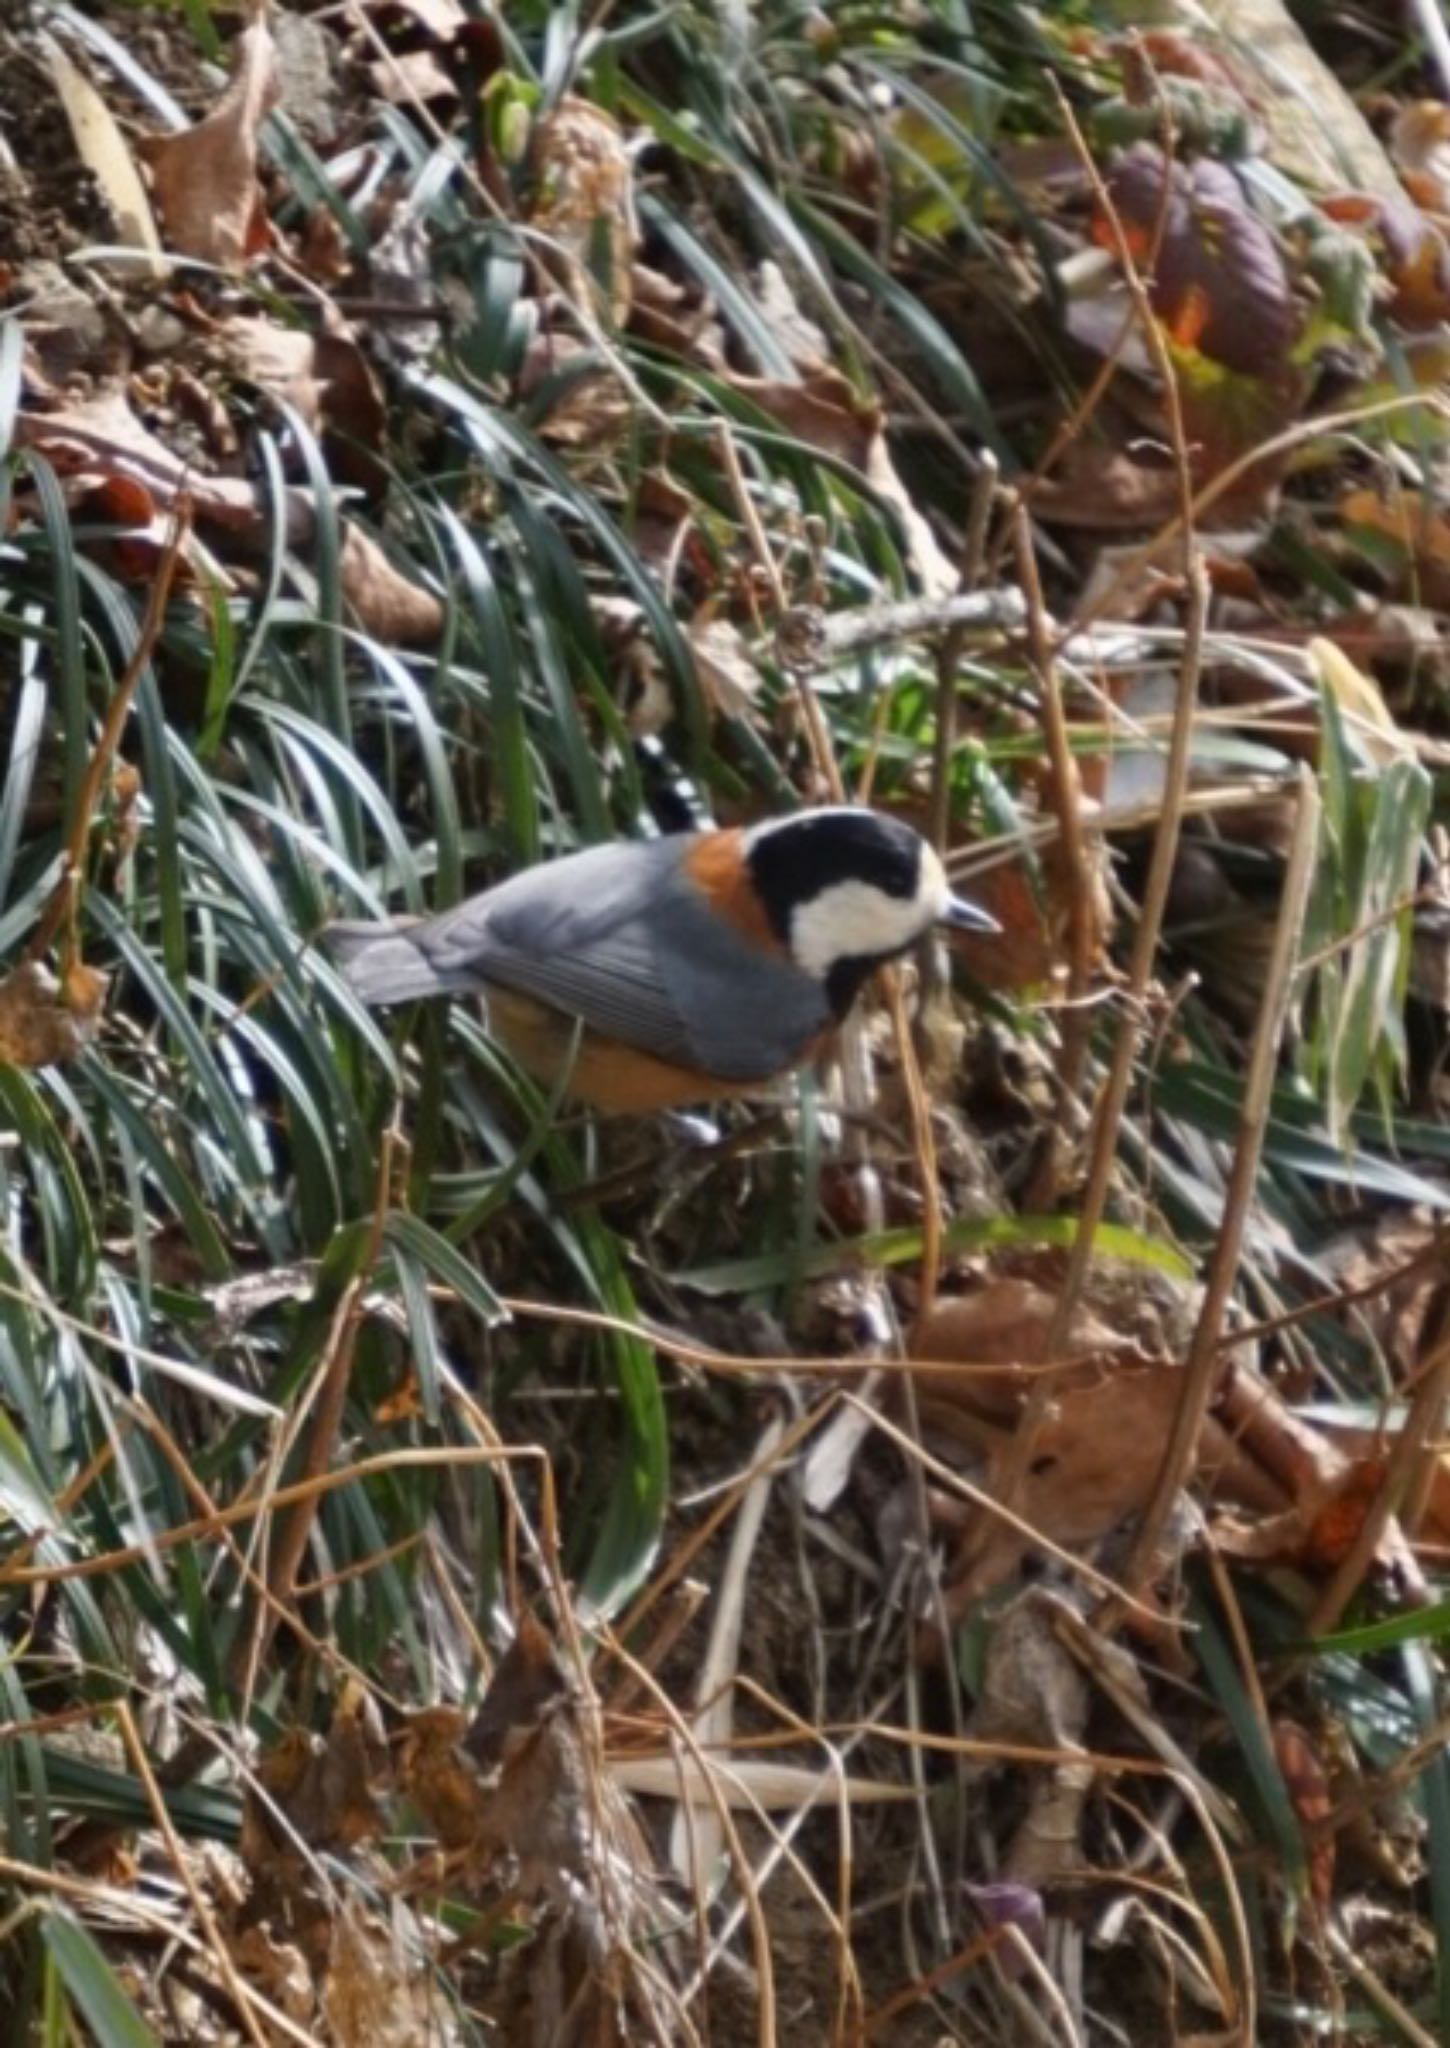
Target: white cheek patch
<point x="854" y="920"/>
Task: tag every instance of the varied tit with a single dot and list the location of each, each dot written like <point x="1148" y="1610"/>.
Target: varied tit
<point x="677" y="970"/>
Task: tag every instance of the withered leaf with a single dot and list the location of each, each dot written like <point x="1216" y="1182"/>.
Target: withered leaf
<point x="445" y="1786"/>
<point x="43" y="1020"/>
<point x="205" y="179"/>
<point x="584" y="188"/>
<point x="387" y="604"/>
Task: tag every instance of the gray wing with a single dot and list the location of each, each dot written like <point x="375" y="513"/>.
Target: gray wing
<point x="575" y="933"/>
<point x="619" y="937"/>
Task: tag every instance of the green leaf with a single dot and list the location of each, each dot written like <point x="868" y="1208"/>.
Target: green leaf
<point x="901" y="1247"/>
<point x="92" y="1984"/>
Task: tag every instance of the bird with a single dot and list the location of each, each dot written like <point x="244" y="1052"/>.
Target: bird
<point x="653" y="975"/>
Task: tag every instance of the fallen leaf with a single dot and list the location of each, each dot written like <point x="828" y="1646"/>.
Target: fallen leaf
<point x="584" y="203"/>
<point x="1420" y="147"/>
<point x="591" y="408"/>
<point x="277" y="1968"/>
<point x="45" y="1021"/>
<point x="376" y="1995"/>
<point x="1105" y="489"/>
<point x="1416" y="524"/>
<point x="1095" y="1461"/>
<point x="728" y="675"/>
<point x="1219" y="282"/>
<point x="447" y="1787"/>
<point x="329" y="1788"/>
<point x="411" y="77"/>
<point x="205" y="179"/>
<point x="102" y="149"/>
<point x="1412" y="252"/>
<point x="388" y="605"/>
<point x="325" y="378"/>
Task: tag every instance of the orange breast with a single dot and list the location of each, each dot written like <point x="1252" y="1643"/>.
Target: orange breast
<point x="605" y="1075"/>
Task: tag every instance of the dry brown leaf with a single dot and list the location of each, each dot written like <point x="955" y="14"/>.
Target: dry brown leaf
<point x="446" y="1787"/>
<point x="325" y="377"/>
<point x="1412" y="253"/>
<point x="328" y="1788"/>
<point x="103" y="434"/>
<point x="373" y="1995"/>
<point x="43" y="1020"/>
<point x="1308" y="1786"/>
<point x="277" y="1968"/>
<point x="1105" y="490"/>
<point x="104" y="437"/>
<point x="411" y="78"/>
<point x="1419" y="526"/>
<point x="998" y="1336"/>
<point x="205" y="179"/>
<point x="584" y="190"/>
<point x="674" y="317"/>
<point x="1396" y="1264"/>
<point x="1420" y="146"/>
<point x="1095" y="1461"/>
<point x="728" y="675"/>
<point x="388" y="606"/>
<point x="593" y="408"/>
<point x="101" y="447"/>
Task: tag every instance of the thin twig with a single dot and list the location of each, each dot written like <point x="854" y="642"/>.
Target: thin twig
<point x="1065" y="793"/>
<point x="1204" y="1364"/>
<point x="966" y="612"/>
<point x="1114" y="1095"/>
<point x="238" y="1991"/>
<point x="326" y="1426"/>
<point x="1420" y="1426"/>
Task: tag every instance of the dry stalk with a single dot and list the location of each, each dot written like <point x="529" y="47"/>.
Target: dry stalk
<point x="329" y="1401"/>
<point x="1421" y="1427"/>
<point x="949" y="651"/>
<point x="1065" y="798"/>
<point x="200" y="1530"/>
<point x="1203" y="1365"/>
<point x="238" y="1991"/>
<point x="1114" y="1096"/>
<point x="1317" y="428"/>
<point x="33" y="1880"/>
<point x="1165" y="845"/>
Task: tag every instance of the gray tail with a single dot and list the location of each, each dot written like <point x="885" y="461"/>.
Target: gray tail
<point x="383" y="962"/>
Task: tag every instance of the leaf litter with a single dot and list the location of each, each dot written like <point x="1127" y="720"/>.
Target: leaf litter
<point x="572" y="427"/>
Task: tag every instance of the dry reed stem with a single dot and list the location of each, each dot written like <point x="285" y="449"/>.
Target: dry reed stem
<point x="1421" y="1426"/>
<point x="1114" y="1095"/>
<point x="1113" y="1098"/>
<point x="420" y="1458"/>
<point x="1205" y="1353"/>
<point x="34" y="1879"/>
<point x="238" y="1991"/>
